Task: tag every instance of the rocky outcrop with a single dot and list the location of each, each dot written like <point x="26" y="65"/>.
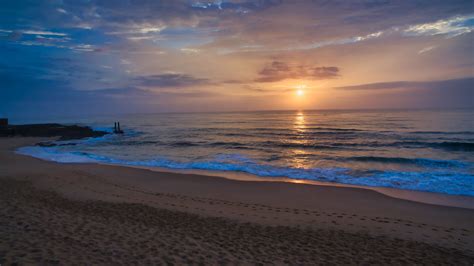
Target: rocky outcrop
<point x="64" y="132"/>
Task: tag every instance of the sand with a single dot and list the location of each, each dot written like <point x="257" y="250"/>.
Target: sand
<point x="98" y="214"/>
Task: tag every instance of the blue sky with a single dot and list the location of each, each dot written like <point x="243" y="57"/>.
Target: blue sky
<point x="106" y="57"/>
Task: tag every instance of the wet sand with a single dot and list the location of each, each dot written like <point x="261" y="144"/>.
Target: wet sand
<point x="99" y="214"/>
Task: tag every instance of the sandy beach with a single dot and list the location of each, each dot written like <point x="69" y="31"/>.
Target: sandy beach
<point x="100" y="214"/>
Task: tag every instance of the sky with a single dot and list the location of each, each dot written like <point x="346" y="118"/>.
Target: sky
<point x="113" y="57"/>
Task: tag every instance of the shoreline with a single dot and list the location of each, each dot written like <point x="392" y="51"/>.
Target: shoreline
<point x="441" y="199"/>
<point x="73" y="132"/>
<point x="357" y="213"/>
<point x="433" y="198"/>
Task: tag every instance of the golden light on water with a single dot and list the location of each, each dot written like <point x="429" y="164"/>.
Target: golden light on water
<point x="299" y="121"/>
<point x="299" y="127"/>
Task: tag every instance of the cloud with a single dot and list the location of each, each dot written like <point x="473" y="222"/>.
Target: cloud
<point x="189" y="94"/>
<point x="44" y="33"/>
<point x="190" y="24"/>
<point x="169" y="80"/>
<point x="28" y="89"/>
<point x="439" y="84"/>
<point x="162" y="35"/>
<point x="61" y="43"/>
<point x="452" y="93"/>
<point x="16" y="35"/>
<point x="451" y="27"/>
<point x="189" y="50"/>
<point x="140" y="38"/>
<point x="324" y="72"/>
<point x="342" y="41"/>
<point x="277" y="71"/>
<point x="140" y="29"/>
<point x="60" y="10"/>
<point x="121" y="92"/>
<point x="237" y="6"/>
<point x="426" y="49"/>
<point x="265" y="90"/>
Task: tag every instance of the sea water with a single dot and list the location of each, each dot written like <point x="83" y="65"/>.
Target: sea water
<point x="425" y="150"/>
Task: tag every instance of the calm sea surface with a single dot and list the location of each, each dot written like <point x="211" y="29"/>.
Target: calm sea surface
<point x="416" y="150"/>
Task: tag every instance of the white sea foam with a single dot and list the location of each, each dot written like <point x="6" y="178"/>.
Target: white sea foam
<point x="52" y="154"/>
<point x="421" y="181"/>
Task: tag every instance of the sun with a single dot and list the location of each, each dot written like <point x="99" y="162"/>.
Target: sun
<point x="300" y="90"/>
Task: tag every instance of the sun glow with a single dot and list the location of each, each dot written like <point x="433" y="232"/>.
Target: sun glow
<point x="300" y="90"/>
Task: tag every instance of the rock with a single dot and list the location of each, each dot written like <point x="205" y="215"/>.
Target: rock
<point x="64" y="132"/>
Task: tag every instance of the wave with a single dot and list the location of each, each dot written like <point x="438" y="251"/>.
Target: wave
<point x="235" y="134"/>
<point x="446" y="145"/>
<point x="302" y="142"/>
<point x="107" y="129"/>
<point x="233" y="144"/>
<point x="335" y="129"/>
<point x="449" y="146"/>
<point x="122" y="142"/>
<point x="456" y="146"/>
<point x="296" y="145"/>
<point x="307" y="144"/>
<point x="183" y="144"/>
<point x="51" y="154"/>
<point x="411" y="161"/>
<point x="444" y="132"/>
<point x="432" y="180"/>
<point x="230" y="145"/>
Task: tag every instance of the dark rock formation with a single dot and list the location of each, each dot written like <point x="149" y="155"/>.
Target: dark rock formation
<point x="64" y="132"/>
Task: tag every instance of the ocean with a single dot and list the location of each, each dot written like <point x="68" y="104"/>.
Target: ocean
<point x="423" y="150"/>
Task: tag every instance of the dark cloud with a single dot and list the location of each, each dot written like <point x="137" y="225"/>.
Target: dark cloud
<point x="454" y="93"/>
<point x="169" y="80"/>
<point x="127" y="91"/>
<point x="277" y="71"/>
<point x="33" y="97"/>
<point x="259" y="89"/>
<point x="324" y="72"/>
<point x="190" y="94"/>
<point x="233" y="81"/>
<point x="41" y="90"/>
<point x="124" y="14"/>
<point x="440" y="84"/>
